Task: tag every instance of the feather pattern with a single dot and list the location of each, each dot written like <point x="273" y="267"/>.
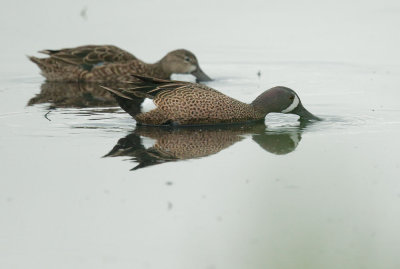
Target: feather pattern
<point x="107" y="63"/>
<point x="185" y="103"/>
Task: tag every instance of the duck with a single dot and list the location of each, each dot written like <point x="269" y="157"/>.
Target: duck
<point x="179" y="103"/>
<point x="108" y="63"/>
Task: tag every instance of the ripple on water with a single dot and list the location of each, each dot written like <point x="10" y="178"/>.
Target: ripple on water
<point x="107" y="119"/>
<point x="343" y="122"/>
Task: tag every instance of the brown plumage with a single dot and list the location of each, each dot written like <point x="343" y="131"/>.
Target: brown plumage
<point x="184" y="103"/>
<point x="107" y="63"/>
<point x="176" y="144"/>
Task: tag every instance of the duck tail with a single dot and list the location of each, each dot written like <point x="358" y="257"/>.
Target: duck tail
<point x="35" y="60"/>
<point x="48" y="52"/>
<point x="128" y="101"/>
<point x="42" y="63"/>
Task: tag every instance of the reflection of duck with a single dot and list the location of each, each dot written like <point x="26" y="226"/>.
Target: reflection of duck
<point x="185" y="103"/>
<point x="278" y="143"/>
<point x="77" y="95"/>
<point x="175" y="144"/>
<point x="106" y="63"/>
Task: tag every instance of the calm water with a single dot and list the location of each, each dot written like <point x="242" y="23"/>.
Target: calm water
<point x="82" y="187"/>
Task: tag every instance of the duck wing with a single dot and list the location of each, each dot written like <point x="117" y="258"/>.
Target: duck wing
<point x="153" y="88"/>
<point x="91" y="55"/>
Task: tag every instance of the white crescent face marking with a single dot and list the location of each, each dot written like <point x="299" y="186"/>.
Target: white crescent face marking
<point x="148" y="105"/>
<point x="295" y="103"/>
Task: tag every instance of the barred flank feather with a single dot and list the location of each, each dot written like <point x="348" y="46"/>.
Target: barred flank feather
<point x="185" y="103"/>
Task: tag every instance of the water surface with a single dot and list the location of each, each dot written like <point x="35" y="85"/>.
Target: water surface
<point x="82" y="187"/>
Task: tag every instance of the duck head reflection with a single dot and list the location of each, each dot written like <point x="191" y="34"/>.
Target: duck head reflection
<point x="174" y="144"/>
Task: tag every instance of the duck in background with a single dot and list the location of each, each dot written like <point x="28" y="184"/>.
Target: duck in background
<point x="107" y="63"/>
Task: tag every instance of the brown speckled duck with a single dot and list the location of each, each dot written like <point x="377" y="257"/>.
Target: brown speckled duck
<point x="106" y="63"/>
<point x="185" y="103"/>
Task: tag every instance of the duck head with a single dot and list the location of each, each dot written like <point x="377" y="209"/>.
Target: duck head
<point x="282" y="100"/>
<point x="183" y="62"/>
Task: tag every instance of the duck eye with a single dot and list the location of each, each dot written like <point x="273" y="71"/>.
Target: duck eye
<point x="187" y="59"/>
<point x="291" y="97"/>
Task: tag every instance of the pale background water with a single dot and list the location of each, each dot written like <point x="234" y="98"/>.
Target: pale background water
<point x="332" y="201"/>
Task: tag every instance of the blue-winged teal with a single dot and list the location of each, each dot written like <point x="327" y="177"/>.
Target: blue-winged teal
<point x="185" y="103"/>
<point x="108" y="63"/>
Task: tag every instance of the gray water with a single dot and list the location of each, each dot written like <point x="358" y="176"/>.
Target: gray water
<point x="279" y="195"/>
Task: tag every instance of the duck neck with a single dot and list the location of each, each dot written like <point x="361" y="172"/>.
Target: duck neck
<point x="267" y="102"/>
<point x="260" y="107"/>
<point x="160" y="70"/>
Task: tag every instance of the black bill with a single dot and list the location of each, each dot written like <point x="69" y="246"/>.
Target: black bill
<point x="304" y="114"/>
<point x="200" y="75"/>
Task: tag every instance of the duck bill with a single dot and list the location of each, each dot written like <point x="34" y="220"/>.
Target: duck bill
<point x="200" y="75"/>
<point x="304" y="114"/>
